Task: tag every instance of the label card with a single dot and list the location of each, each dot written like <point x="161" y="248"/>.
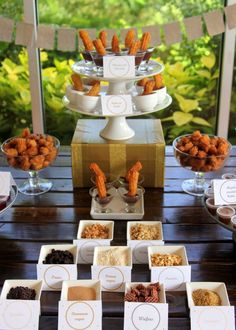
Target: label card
<point x="112" y="278"/>
<point x="80" y="315"/>
<point x="118" y="66"/>
<point x="174" y="277"/>
<point x="53" y="275"/>
<point x="19" y="314"/>
<point x="224" y="192"/>
<point x="140" y="251"/>
<point x="146" y="316"/>
<point x="114" y="105"/>
<point x="5" y="183"/>
<point x="86" y="248"/>
<point x="212" y="317"/>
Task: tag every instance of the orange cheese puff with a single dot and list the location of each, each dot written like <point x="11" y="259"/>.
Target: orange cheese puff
<point x="115" y="44"/>
<point x="25" y="133"/>
<point x="158" y="81"/>
<point x="129" y="38"/>
<point x="148" y="88"/>
<point x="77" y="82"/>
<point x="136" y="167"/>
<point x="134" y="47"/>
<point x="94" y="90"/>
<point x="103" y="38"/>
<point x="88" y="45"/>
<point x="145" y="40"/>
<point x="133" y="183"/>
<point x="142" y="82"/>
<point x="97" y="171"/>
<point x="101" y="187"/>
<point x="99" y="47"/>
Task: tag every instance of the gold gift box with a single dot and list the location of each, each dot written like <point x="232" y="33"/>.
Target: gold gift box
<point x="116" y="157"/>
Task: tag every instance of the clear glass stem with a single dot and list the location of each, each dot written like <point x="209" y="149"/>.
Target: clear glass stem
<point x="199" y="181"/>
<point x="33" y="180"/>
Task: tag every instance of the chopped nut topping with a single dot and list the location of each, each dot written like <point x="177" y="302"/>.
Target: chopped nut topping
<point x="96" y="231"/>
<point x="145" y="232"/>
<point x="166" y="259"/>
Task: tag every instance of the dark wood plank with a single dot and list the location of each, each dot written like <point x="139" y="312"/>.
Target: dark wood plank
<point x="20" y="251"/>
<point x="64" y="232"/>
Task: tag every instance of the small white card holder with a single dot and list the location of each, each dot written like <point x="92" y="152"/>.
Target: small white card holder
<point x="86" y="246"/>
<point x="211" y="317"/>
<point x="53" y="274"/>
<point x="173" y="277"/>
<point x="20" y="314"/>
<point x="112" y="278"/>
<point x="140" y="247"/>
<point x="80" y="315"/>
<point x="119" y="66"/>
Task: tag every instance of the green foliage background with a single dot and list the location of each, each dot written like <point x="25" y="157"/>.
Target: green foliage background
<point x="191" y="68"/>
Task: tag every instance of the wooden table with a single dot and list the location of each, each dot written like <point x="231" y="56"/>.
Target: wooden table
<point x="54" y="217"/>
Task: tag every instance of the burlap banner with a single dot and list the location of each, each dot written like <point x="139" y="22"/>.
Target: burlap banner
<point x="44" y="35"/>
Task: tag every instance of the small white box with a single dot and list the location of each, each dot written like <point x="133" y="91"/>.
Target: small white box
<point x="19" y="313"/>
<point x="211" y="317"/>
<point x="174" y="277"/>
<point x="86" y="314"/>
<point x="112" y="278"/>
<point x="86" y="245"/>
<point x="139" y="247"/>
<point x="143" y="315"/>
<point x="53" y="274"/>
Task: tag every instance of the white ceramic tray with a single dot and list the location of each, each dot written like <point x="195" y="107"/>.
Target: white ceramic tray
<point x="116" y="205"/>
<point x="153" y="68"/>
<point x="12" y="198"/>
<point x="98" y="111"/>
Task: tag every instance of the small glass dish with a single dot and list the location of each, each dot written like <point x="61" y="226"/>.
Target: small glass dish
<point x="146" y="58"/>
<point x="130" y="201"/>
<point x="102" y="203"/>
<point x="88" y="59"/>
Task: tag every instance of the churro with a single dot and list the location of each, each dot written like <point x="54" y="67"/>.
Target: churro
<point x="129" y="38"/>
<point x="77" y="82"/>
<point x="115" y="44"/>
<point x="148" y="88"/>
<point x="99" y="47"/>
<point x="134" y="47"/>
<point x="103" y="38"/>
<point x="94" y="90"/>
<point x="84" y="35"/>
<point x="145" y="40"/>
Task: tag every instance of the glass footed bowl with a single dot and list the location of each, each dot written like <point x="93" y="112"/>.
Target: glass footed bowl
<point x="130" y="201"/>
<point x="199" y="165"/>
<point x="102" y="203"/>
<point x="32" y="154"/>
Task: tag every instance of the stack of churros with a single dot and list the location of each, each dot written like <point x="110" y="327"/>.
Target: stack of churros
<point x="100" y="180"/>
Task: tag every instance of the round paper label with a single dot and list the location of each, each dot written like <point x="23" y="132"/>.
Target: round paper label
<point x="86" y="251"/>
<point x="80" y="316"/>
<point x="112" y="278"/>
<point x="54" y="275"/>
<point x="172" y="277"/>
<point x="119" y="67"/>
<point x="212" y="319"/>
<point x="17" y="315"/>
<point x="145" y="316"/>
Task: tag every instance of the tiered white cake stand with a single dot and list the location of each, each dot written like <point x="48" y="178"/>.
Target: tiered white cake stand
<point x="117" y="127"/>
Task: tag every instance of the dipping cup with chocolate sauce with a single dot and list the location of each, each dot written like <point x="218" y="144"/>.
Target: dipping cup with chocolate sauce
<point x="225" y="213"/>
<point x="102" y="202"/>
<point x="211" y="206"/>
<point x="130" y="201"/>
